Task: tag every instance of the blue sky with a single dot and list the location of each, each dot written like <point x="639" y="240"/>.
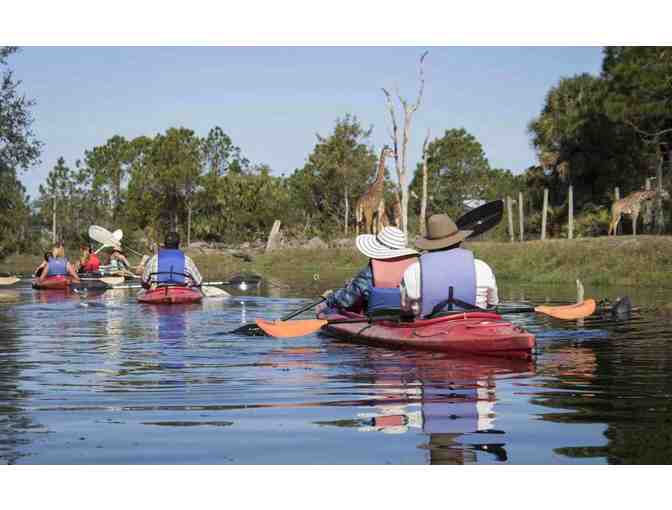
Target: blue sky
<point x="273" y="100"/>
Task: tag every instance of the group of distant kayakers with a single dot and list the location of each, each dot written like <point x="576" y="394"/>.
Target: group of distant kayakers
<point x="170" y="266"/>
<point x="439" y="276"/>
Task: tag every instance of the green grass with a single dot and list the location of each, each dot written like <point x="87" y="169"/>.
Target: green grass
<point x="626" y="261"/>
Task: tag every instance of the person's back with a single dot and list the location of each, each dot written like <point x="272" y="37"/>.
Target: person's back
<point x="376" y="287"/>
<point x="58" y="265"/>
<point x="92" y="264"/>
<point x="171" y="266"/>
<point x="447" y="277"/>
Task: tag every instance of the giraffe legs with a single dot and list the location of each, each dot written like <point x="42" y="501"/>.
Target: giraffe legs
<point x="613" y="226"/>
<point x="634" y="224"/>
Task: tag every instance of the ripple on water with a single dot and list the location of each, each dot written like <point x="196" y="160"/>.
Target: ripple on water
<point x="97" y="378"/>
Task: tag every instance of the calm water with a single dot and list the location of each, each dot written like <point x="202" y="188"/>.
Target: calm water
<point x="100" y="379"/>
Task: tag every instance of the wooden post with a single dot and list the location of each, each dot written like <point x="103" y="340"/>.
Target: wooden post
<point x="509" y="215"/>
<point x="571" y="212"/>
<point x="521" y="217"/>
<point x="579" y="291"/>
<point x="544" y="213"/>
<point x="659" y="213"/>
<point x="270" y="244"/>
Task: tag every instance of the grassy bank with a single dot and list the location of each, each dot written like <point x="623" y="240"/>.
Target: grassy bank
<point x="641" y="261"/>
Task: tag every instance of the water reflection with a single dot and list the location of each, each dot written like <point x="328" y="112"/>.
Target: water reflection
<point x="97" y="378"/>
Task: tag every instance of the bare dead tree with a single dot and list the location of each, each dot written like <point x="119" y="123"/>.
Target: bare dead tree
<point x="423" y="200"/>
<point x="400" y="146"/>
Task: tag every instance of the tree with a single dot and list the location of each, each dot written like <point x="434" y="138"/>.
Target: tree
<point x="18" y="147"/>
<point x="19" y="150"/>
<point x="220" y="155"/>
<point x="110" y="164"/>
<point x="15" y="221"/>
<point x="457" y="169"/>
<point x="639" y="80"/>
<point x="400" y="140"/>
<point x="336" y="171"/>
<point x="164" y="178"/>
<point x="577" y="143"/>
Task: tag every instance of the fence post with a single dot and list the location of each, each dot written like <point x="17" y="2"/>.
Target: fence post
<point x="509" y="214"/>
<point x="520" y="215"/>
<point x="544" y="212"/>
<point x="271" y="243"/>
<point x="571" y="212"/>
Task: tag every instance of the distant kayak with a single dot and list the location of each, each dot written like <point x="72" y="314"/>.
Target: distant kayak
<point x="52" y="283"/>
<point x="471" y="332"/>
<point x="170" y="296"/>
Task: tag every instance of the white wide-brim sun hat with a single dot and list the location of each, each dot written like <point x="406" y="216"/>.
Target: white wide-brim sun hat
<point x="390" y="243"/>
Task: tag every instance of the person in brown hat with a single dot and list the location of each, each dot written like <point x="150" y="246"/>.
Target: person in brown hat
<point x="446" y="275"/>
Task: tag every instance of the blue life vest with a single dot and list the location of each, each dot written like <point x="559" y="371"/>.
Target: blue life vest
<point x="384" y="301"/>
<point x="172" y="267"/>
<point x="441" y="270"/>
<point x="58" y="266"/>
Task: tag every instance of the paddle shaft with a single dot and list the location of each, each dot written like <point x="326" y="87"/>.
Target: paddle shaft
<point x="303" y="309"/>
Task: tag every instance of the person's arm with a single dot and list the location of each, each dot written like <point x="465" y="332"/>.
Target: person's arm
<point x="73" y="273"/>
<point x="147" y="271"/>
<point x="45" y="271"/>
<point x="358" y="289"/>
<point x="486" y="283"/>
<point x="193" y="271"/>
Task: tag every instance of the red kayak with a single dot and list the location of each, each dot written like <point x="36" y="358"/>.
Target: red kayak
<point x="472" y="332"/>
<point x="52" y="283"/>
<point x="170" y="296"/>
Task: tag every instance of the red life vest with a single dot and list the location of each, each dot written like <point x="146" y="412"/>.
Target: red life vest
<point x="92" y="264"/>
<point x="387" y="274"/>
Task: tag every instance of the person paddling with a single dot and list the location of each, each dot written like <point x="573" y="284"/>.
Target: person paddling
<point x="118" y="260"/>
<point x="58" y="265"/>
<point x="43" y="264"/>
<point x="376" y="287"/>
<point x="446" y="277"/>
<point x="170" y="266"/>
<point x="90" y="262"/>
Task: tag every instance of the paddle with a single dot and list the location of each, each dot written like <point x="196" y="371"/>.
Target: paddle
<point x="306" y="327"/>
<point x="107" y="238"/>
<point x="254" y="329"/>
<point x="482" y="218"/>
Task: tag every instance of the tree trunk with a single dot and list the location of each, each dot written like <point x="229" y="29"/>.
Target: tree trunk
<point x="509" y="216"/>
<point x="347" y="211"/>
<point x="570" y="234"/>
<point x="53" y="223"/>
<point x="521" y="217"/>
<point x="423" y="199"/>
<point x="544" y="213"/>
<point x="660" y="214"/>
<point x="188" y="226"/>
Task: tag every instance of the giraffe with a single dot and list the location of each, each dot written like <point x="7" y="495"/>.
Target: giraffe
<point x="631" y="205"/>
<point x="368" y="207"/>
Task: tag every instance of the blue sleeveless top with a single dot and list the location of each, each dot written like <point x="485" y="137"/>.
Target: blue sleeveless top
<point x="58" y="266"/>
<point x="441" y="270"/>
<point x="171" y="267"/>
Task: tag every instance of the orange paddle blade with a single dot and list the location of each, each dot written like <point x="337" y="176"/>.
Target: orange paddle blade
<point x="290" y="328"/>
<point x="569" y="312"/>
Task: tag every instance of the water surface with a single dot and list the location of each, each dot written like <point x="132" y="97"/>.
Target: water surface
<point x="100" y="379"/>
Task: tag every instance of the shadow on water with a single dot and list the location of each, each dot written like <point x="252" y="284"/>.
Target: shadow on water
<point x="98" y="379"/>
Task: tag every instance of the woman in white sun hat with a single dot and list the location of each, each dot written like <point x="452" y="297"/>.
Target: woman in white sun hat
<point x="389" y="256"/>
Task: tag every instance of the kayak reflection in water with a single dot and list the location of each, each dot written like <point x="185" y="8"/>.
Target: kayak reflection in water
<point x="445" y="398"/>
<point x="170" y="267"/>
<point x="378" y="283"/>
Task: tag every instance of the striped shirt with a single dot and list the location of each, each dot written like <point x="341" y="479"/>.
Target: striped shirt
<point x="152" y="266"/>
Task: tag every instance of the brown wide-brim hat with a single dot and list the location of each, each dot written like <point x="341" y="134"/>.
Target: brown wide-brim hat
<point x="441" y="233"/>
